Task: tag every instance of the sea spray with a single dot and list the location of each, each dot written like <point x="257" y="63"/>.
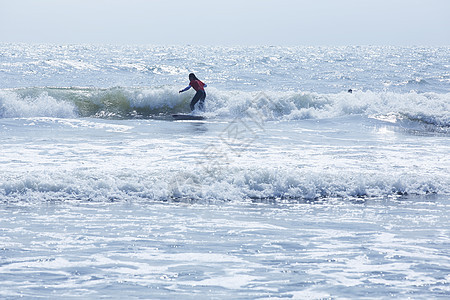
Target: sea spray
<point x="129" y="103"/>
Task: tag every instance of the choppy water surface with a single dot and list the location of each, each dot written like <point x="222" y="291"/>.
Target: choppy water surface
<point x="309" y="69"/>
<point x="291" y="188"/>
<point x="334" y="249"/>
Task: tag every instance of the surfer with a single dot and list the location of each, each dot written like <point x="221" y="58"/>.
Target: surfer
<point x="200" y="94"/>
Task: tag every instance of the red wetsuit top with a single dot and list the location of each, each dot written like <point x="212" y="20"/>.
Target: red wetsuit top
<point x="197" y="85"/>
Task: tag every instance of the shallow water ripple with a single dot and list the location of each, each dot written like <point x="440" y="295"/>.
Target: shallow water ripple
<point x="375" y="249"/>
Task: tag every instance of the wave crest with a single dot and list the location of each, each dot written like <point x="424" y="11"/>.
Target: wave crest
<point x="226" y="185"/>
<point x="431" y="108"/>
<point x="14" y="105"/>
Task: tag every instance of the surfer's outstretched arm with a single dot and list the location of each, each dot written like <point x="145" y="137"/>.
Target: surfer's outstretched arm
<point x="185" y="89"/>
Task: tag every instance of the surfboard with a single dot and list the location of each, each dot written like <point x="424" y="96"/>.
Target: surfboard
<point x="187" y="117"/>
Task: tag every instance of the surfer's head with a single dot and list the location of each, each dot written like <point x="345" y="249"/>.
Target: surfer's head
<point x="192" y="77"/>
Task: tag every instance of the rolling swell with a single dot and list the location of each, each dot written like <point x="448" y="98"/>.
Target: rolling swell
<point x="150" y="102"/>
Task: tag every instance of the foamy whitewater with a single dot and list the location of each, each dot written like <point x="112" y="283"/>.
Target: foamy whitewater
<point x="292" y="187"/>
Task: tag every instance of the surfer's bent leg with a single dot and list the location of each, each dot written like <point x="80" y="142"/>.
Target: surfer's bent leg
<point x="201" y="104"/>
<point x="200" y="95"/>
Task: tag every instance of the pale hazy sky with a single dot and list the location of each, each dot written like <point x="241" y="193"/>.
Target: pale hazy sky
<point x="227" y="22"/>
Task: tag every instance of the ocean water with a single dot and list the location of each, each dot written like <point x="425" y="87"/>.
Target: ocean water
<point x="292" y="187"/>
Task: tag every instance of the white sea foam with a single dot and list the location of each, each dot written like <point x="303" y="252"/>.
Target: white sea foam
<point x="42" y="105"/>
<point x="427" y="108"/>
<point x="235" y="185"/>
<point x="103" y="195"/>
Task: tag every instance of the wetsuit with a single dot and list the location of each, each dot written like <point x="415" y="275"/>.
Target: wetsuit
<point x="199" y="96"/>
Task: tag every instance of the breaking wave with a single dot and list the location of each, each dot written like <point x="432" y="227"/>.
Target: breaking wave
<point x="128" y="103"/>
<point x="221" y="185"/>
